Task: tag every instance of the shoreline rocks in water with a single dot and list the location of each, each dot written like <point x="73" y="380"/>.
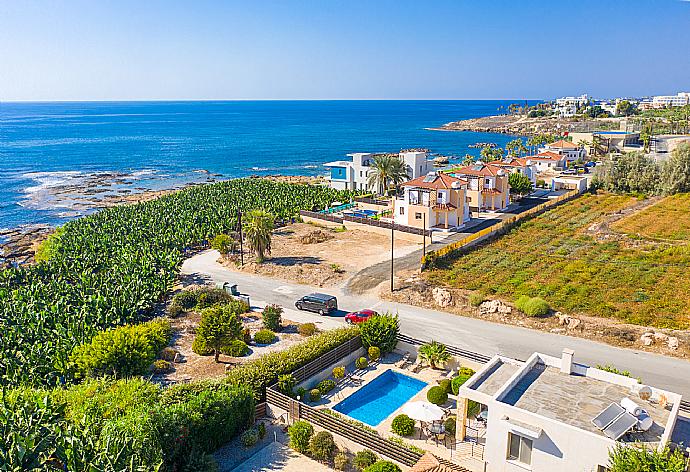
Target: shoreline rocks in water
<point x="521" y="125"/>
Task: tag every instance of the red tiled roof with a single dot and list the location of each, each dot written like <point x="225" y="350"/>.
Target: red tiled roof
<point x="562" y="144"/>
<point x="477" y="169"/>
<point x="491" y="191"/>
<point x="545" y="156"/>
<point x="441" y="181"/>
<point x="513" y="162"/>
<point x="445" y="206"/>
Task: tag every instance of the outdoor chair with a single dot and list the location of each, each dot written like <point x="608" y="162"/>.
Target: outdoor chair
<point x="416" y="365"/>
<point x="440" y="437"/>
<point x="404" y="361"/>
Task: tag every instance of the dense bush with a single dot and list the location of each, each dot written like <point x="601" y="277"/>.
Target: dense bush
<point x="321" y="446"/>
<point x="224" y="244"/>
<point x="161" y="366"/>
<point x="463" y="375"/>
<point x="380" y="331"/>
<point x="300" y="434"/>
<point x="326" y="386"/>
<point x="476" y="299"/>
<point x="374" y="353"/>
<point x="361" y="363"/>
<point x="383" y="466"/>
<point x="403" y="425"/>
<point x="364" y="459"/>
<point x="175" y="310"/>
<point x="264" y="336"/>
<point x="272" y="317"/>
<point x="250" y="437"/>
<point x="265" y="370"/>
<point x="261" y="429"/>
<point x="450" y="424"/>
<point x="445" y="384"/>
<point x="338" y="372"/>
<point x="437" y="395"/>
<point x="532" y="306"/>
<point x="626" y="459"/>
<point x="286" y="382"/>
<point x="219" y="326"/>
<point x="307" y="329"/>
<point x="121" y="352"/>
<point x="341" y="461"/>
<point x="314" y="395"/>
<point x="236" y="348"/>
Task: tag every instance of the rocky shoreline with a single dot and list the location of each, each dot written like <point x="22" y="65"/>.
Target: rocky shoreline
<point x="521" y="125"/>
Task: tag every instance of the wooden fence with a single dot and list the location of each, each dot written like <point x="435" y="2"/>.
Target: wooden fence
<point x="364" y="221"/>
<point x="331" y="357"/>
<point x="433" y="256"/>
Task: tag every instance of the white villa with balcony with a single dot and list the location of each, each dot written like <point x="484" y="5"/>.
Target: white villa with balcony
<point x="354" y="174"/>
<point x="552" y="414"/>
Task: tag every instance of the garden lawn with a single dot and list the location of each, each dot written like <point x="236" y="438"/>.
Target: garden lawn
<point x="554" y="257"/>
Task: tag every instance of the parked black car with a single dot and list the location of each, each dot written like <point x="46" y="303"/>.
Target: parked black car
<point x="318" y="302"/>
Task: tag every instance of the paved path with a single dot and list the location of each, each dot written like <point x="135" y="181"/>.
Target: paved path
<point x="468" y="333"/>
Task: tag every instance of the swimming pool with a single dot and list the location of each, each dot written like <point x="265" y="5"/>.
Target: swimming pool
<point x="375" y="401"/>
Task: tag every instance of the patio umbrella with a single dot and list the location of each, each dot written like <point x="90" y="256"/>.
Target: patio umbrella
<point x="423" y="411"/>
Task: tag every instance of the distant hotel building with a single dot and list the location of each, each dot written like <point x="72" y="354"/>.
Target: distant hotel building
<point x="354" y="174"/>
<point x="666" y="101"/>
<point x="567" y="106"/>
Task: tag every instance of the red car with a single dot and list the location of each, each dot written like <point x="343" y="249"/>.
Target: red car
<point x="359" y="316"/>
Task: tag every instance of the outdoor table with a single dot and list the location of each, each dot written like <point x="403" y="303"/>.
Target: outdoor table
<point x="437" y="429"/>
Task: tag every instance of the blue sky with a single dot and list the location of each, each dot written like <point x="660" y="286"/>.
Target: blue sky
<point x="322" y="49"/>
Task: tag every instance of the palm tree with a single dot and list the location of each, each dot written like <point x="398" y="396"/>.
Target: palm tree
<point x="434" y="354"/>
<point x="258" y="230"/>
<point x="387" y="169"/>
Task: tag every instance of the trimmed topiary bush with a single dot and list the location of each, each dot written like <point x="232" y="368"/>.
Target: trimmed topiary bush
<point x="300" y="434"/>
<point x="364" y="459"/>
<point x="361" y="363"/>
<point x="321" y="446"/>
<point x="236" y="348"/>
<point x="464" y="374"/>
<point x="437" y="395"/>
<point x="250" y="437"/>
<point x="307" y="329"/>
<point x="264" y="336"/>
<point x="403" y="425"/>
<point x="314" y="395"/>
<point x="326" y="386"/>
<point x="450" y="424"/>
<point x="383" y="466"/>
<point x="338" y="372"/>
<point x="380" y="331"/>
<point x="445" y="384"/>
<point x="374" y="353"/>
<point x="272" y="318"/>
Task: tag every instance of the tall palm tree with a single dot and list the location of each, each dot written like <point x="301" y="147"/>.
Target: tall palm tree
<point x="387" y="169"/>
<point x="257" y="230"/>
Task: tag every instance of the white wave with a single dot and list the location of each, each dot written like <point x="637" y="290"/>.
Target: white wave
<point x="48" y="180"/>
<point x="260" y="169"/>
<point x="310" y="166"/>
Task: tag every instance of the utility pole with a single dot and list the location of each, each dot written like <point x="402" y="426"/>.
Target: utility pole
<point x="239" y="223"/>
<point x="424" y="236"/>
<point x="392" y="245"/>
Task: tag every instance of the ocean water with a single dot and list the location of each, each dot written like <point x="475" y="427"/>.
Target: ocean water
<point x="48" y="151"/>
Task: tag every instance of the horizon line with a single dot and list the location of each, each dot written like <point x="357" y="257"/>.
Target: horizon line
<point x="271" y="100"/>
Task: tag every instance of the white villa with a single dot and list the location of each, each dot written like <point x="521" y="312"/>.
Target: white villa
<point x="519" y="165"/>
<point x="546" y="161"/>
<point x="551" y="414"/>
<point x="353" y="174"/>
<point x="567" y="106"/>
<point x="569" y="151"/>
<point x="666" y="101"/>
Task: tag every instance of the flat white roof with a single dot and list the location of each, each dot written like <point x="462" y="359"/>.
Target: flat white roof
<point x="338" y="164"/>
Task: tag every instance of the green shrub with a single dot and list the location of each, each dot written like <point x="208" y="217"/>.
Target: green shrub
<point x="261" y="429"/>
<point x="236" y="348"/>
<point x="122" y="352"/>
<point x="272" y="317"/>
<point x="521" y="302"/>
<point x="536" y="307"/>
<point x="625" y="459"/>
<point x="205" y="297"/>
<point x="307" y="329"/>
<point x="437" y="395"/>
<point x="300" y="434"/>
<point x="338" y="372"/>
<point x="286" y="382"/>
<point x="301" y="393"/>
<point x="541" y="183"/>
<point x="326" y="386"/>
<point x="403" y="425"/>
<point x="161" y="367"/>
<point x="314" y="395"/>
<point x="364" y="459"/>
<point x="476" y="299"/>
<point x="450" y="424"/>
<point x="341" y="461"/>
<point x="246" y="335"/>
<point x="321" y="446"/>
<point x="434" y="354"/>
<point x="49" y="247"/>
<point x="374" y="353"/>
<point x="445" y="384"/>
<point x="185" y="299"/>
<point x="264" y="336"/>
<point x="462" y="377"/>
<point x="250" y="437"/>
<point x="175" y="310"/>
<point x="218" y="327"/>
<point x="264" y="371"/>
<point x="361" y="363"/>
<point x="224" y="244"/>
<point x="380" y="331"/>
<point x="383" y="466"/>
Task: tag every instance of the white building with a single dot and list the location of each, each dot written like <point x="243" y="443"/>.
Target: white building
<point x="547" y="161"/>
<point x="354" y="174"/>
<point x="666" y="101"/>
<point x="551" y="414"/>
<point x="569" y="151"/>
<point x="567" y="106"/>
<point x="519" y="165"/>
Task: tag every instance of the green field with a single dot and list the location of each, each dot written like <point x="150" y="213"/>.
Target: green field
<point x="553" y="256"/>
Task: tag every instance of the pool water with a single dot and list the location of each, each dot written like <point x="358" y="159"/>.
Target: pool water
<point x="376" y="400"/>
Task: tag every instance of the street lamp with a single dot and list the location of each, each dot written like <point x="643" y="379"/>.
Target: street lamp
<point x="392" y="246"/>
<point x="239" y="223"/>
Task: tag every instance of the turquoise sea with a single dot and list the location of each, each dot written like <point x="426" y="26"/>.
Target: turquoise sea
<point x="50" y="151"/>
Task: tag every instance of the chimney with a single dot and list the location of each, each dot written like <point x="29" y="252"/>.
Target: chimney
<point x="567" y="361"/>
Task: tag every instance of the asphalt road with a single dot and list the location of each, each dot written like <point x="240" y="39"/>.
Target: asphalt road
<point x="468" y="333"/>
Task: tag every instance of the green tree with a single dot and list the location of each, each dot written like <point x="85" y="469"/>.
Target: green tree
<point x="218" y="327"/>
<point x="224" y="244"/>
<point x="516" y="147"/>
<point x="628" y="459"/>
<point x="434" y="353"/>
<point x="519" y="183"/>
<point x="380" y="331"/>
<point x="676" y="170"/>
<point x="625" y="108"/>
<point x="489" y="153"/>
<point x="387" y="169"/>
<point x="257" y="230"/>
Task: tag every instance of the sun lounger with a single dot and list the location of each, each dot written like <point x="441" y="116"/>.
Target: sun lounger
<point x="404" y="361"/>
<point x="416" y="366"/>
